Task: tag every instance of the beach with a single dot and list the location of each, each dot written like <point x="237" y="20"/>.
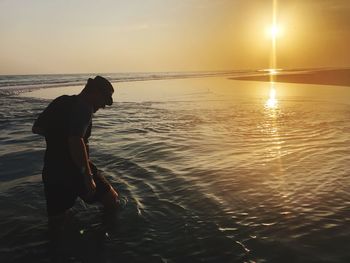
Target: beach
<point x="213" y="168"/>
<point x="335" y="77"/>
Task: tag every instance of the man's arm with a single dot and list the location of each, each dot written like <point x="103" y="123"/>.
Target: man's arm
<point x="81" y="160"/>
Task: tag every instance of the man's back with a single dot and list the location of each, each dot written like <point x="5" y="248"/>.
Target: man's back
<point x="58" y="121"/>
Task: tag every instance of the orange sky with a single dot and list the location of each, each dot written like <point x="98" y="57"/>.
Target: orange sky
<point x="169" y="35"/>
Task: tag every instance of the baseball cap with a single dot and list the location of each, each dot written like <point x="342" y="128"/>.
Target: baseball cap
<point x="104" y="86"/>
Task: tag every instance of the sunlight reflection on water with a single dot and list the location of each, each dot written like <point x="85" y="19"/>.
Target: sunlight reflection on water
<point x="272" y="102"/>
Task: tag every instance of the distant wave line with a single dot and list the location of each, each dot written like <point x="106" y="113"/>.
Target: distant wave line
<point x="14" y="85"/>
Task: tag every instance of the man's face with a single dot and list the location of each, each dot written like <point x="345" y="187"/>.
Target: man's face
<point x="100" y="101"/>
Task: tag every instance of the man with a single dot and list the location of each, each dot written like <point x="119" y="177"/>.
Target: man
<point x="68" y="172"/>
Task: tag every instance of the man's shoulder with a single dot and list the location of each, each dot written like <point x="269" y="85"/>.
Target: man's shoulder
<point x="64" y="98"/>
<point x="63" y="101"/>
<point x="81" y="109"/>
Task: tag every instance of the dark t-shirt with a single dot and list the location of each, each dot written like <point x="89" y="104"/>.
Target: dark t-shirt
<point x="65" y="116"/>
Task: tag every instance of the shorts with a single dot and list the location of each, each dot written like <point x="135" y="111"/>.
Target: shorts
<point x="63" y="188"/>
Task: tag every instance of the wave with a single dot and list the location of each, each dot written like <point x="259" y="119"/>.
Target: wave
<point x="16" y="84"/>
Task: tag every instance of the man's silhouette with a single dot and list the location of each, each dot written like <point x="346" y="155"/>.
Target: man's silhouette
<point x="68" y="172"/>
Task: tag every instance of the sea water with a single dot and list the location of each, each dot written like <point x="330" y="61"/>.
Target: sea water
<point x="213" y="170"/>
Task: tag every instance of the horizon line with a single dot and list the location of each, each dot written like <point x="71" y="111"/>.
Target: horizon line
<point x="187" y="71"/>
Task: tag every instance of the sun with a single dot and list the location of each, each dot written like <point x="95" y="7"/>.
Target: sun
<point x="274" y="31"/>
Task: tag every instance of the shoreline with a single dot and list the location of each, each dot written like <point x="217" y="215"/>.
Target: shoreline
<point x="336" y="77"/>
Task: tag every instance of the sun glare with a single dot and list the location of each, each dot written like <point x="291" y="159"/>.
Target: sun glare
<point x="272" y="71"/>
<point x="274" y="31"/>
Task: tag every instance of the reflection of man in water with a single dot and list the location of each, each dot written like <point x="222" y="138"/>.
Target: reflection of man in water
<point x="68" y="171"/>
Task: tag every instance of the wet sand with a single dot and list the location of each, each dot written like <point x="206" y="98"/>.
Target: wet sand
<point x="336" y="77"/>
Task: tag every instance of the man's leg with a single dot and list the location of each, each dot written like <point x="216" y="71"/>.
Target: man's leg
<point x="60" y="197"/>
<point x="59" y="201"/>
<point x="58" y="222"/>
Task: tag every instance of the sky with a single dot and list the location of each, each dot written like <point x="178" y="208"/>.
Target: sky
<point x="85" y="36"/>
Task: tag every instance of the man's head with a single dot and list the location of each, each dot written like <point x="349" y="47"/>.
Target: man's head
<point x="100" y="92"/>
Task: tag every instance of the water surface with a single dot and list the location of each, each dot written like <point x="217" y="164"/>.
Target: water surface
<point x="212" y="171"/>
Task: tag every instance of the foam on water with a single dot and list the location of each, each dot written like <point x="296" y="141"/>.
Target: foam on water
<point x="17" y="84"/>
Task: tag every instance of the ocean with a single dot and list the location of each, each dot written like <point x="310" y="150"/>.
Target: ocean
<point x="211" y="170"/>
